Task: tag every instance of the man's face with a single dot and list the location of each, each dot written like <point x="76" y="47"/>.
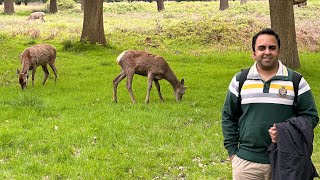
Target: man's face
<point x="266" y="52"/>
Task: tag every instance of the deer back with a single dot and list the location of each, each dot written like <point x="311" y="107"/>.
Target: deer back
<point x="39" y="54"/>
<point x="143" y="62"/>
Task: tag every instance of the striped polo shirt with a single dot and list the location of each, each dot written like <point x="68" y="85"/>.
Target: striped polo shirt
<point x="255" y="90"/>
<point x="263" y="103"/>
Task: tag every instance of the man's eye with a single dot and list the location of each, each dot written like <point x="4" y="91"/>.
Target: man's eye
<point x="272" y="47"/>
<point x="262" y="48"/>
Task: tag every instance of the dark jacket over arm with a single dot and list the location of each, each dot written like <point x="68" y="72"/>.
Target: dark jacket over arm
<point x="291" y="157"/>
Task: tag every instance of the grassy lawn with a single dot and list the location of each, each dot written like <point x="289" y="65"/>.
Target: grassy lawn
<point x="73" y="130"/>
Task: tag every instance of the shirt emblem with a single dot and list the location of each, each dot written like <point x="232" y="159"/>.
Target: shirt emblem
<point x="283" y="92"/>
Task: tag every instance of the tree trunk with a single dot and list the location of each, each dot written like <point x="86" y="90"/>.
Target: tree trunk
<point x="243" y="1"/>
<point x="93" y="30"/>
<point x="53" y="6"/>
<point x="160" y="5"/>
<point x="8" y="6"/>
<point x="282" y="21"/>
<point x="224" y="4"/>
<point x="82" y="5"/>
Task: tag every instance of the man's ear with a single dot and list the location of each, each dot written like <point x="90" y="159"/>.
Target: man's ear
<point x="253" y="55"/>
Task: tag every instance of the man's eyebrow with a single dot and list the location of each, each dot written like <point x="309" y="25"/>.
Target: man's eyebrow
<point x="267" y="46"/>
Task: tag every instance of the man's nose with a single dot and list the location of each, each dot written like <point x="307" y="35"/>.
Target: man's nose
<point x="267" y="51"/>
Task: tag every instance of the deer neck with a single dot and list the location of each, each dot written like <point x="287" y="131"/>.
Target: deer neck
<point x="173" y="80"/>
<point x="25" y="67"/>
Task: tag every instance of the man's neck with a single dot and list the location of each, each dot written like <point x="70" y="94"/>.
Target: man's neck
<point x="267" y="74"/>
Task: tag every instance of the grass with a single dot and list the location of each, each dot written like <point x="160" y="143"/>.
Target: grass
<point x="73" y="130"/>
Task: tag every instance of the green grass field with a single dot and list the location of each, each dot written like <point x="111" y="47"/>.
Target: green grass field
<point x="73" y="130"/>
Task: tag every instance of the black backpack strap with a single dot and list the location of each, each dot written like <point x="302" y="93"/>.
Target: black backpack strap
<point x="296" y="77"/>
<point x="242" y="79"/>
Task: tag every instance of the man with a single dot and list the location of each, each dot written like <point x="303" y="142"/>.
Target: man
<point x="266" y="98"/>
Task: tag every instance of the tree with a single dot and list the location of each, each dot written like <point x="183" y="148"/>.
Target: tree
<point x="53" y="6"/>
<point x="224" y="4"/>
<point x="160" y="5"/>
<point x="93" y="30"/>
<point x="82" y="1"/>
<point x="8" y="6"/>
<point x="282" y="21"/>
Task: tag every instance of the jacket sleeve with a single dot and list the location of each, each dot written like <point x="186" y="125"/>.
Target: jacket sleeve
<point x="306" y="104"/>
<point x="230" y="118"/>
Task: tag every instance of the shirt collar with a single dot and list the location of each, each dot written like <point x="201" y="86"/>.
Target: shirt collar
<point x="253" y="73"/>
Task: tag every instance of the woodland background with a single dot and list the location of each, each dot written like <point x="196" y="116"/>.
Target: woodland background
<point x="73" y="130"/>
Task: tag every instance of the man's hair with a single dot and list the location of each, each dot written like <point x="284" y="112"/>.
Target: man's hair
<point x="268" y="31"/>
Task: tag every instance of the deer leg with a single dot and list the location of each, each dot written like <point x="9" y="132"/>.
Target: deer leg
<point x="130" y="74"/>
<point x="156" y="82"/>
<point x="54" y="69"/>
<point x="116" y="81"/>
<point x="33" y="74"/>
<point x="150" y="79"/>
<point x="46" y="74"/>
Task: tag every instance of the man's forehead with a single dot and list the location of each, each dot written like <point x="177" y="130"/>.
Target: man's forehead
<point x="266" y="37"/>
<point x="266" y="40"/>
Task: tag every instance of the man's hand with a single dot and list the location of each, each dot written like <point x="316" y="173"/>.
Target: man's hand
<point x="273" y="133"/>
<point x="231" y="157"/>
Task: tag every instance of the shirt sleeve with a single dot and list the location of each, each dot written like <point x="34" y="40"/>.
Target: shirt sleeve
<point x="306" y="104"/>
<point x="230" y="118"/>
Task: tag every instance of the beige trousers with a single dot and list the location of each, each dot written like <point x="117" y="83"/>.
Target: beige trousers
<point x="246" y="170"/>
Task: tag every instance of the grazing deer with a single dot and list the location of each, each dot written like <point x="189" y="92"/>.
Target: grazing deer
<point x="37" y="15"/>
<point x="150" y="65"/>
<point x="34" y="56"/>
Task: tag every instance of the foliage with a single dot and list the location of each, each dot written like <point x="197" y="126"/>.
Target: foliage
<point x="123" y="8"/>
<point x="3" y="36"/>
<point x="73" y="130"/>
<point x="65" y="4"/>
<point x="76" y="46"/>
<point x="19" y="2"/>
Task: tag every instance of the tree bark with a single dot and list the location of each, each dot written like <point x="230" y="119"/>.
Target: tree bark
<point x="8" y="6"/>
<point x="282" y="21"/>
<point x="160" y="5"/>
<point x="53" y="6"/>
<point x="224" y="4"/>
<point x="82" y="5"/>
<point x="93" y="30"/>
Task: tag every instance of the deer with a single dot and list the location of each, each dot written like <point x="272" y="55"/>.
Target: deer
<point x="34" y="56"/>
<point x="37" y="15"/>
<point x="152" y="66"/>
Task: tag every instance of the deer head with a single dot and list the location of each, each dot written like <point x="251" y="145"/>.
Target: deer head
<point x="23" y="79"/>
<point x="180" y="91"/>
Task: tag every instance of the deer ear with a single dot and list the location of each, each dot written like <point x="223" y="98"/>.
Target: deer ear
<point x="182" y="81"/>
